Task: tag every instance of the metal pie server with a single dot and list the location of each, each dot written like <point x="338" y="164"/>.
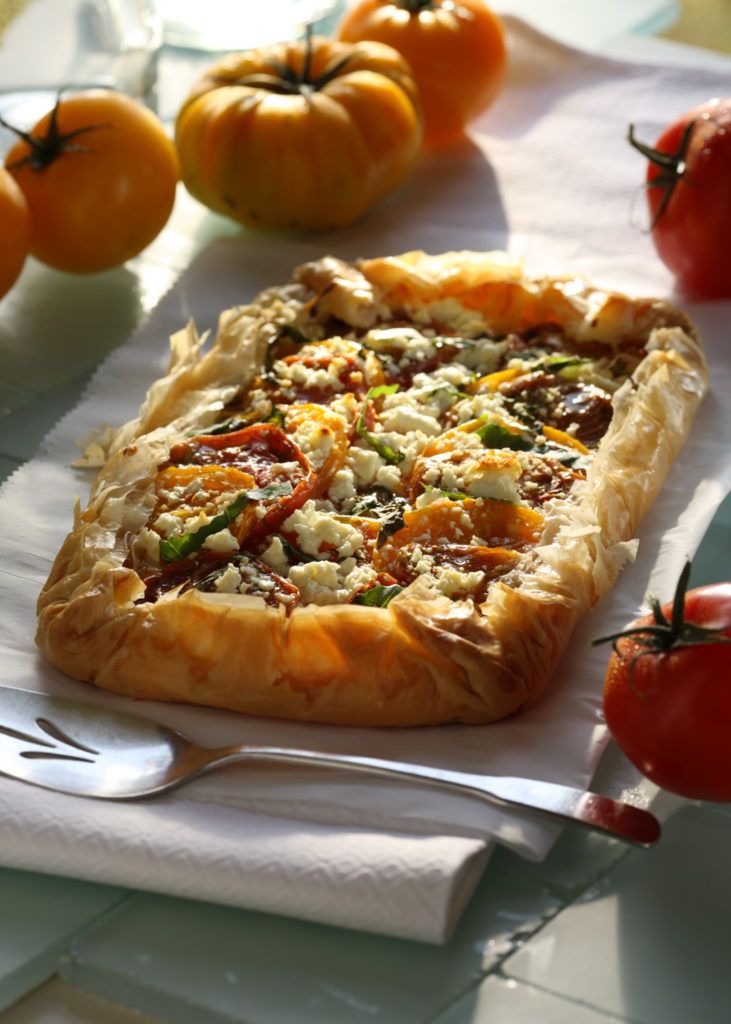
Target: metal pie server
<point x="76" y="747"/>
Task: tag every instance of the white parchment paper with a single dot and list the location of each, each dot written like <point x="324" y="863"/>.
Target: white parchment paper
<point x="548" y="175"/>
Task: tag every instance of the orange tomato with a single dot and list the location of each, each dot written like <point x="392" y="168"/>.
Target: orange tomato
<point x="455" y="48"/>
<point x="303" y="135"/>
<point x="99" y="175"/>
<point x="15" y="236"/>
<point x="498" y="522"/>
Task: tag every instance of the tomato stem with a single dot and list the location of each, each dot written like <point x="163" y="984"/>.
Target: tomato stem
<point x="672" y="166"/>
<point x="666" y="635"/>
<point x="287" y="81"/>
<point x="46" y="148"/>
<point x="417" y="6"/>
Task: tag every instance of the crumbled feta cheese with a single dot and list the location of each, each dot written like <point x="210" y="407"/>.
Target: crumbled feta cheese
<point x="364" y="463"/>
<point x="483" y="356"/>
<point x="315" y="440"/>
<point x="450" y="373"/>
<point x="275" y="557"/>
<point x="347" y="407"/>
<point x="430" y="497"/>
<point x="286" y="469"/>
<point x="342" y="486"/>
<point x="405" y="344"/>
<point x="491" y="474"/>
<point x="168" y="524"/>
<point x="314" y="528"/>
<point x="487" y="403"/>
<point x="315" y="377"/>
<point x="222" y="541"/>
<point x="229" y="581"/>
<point x="405" y="417"/>
<point x="317" y="581"/>
<point x="325" y="583"/>
<point x="410" y="445"/>
<point x="450" y="581"/>
<point x="389" y="477"/>
<point x="147" y="543"/>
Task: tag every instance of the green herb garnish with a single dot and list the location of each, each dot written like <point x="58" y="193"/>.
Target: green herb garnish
<point x="494" y="435"/>
<point x="384" y="450"/>
<point x="226" y="427"/>
<point x="557" y="363"/>
<point x="276" y="416"/>
<point x="366" y="503"/>
<point x="391" y="519"/>
<point x="288" y="331"/>
<point x="175" y="548"/>
<point x="292" y="552"/>
<point x="378" y="596"/>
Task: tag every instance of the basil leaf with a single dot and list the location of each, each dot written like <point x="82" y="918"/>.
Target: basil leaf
<point x="226" y="427"/>
<point x="452" y="388"/>
<point x="556" y="363"/>
<point x="233" y="423"/>
<point x="494" y="435"/>
<point x="386" y="452"/>
<point x="270" y="491"/>
<point x="566" y="456"/>
<point x="288" y="331"/>
<point x="382" y="389"/>
<point x="366" y="503"/>
<point x="293" y="333"/>
<point x="276" y="416"/>
<point x="175" y="548"/>
<point x="378" y="596"/>
<point x="292" y="552"/>
<point x="391" y="518"/>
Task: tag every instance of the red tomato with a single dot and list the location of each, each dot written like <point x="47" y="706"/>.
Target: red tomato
<point x="15" y="235"/>
<point x="689" y="197"/>
<point x="667" y="693"/>
<point x="455" y="48"/>
<point x="99" y="175"/>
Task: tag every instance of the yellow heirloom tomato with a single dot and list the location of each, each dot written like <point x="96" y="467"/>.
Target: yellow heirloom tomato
<point x="300" y="135"/>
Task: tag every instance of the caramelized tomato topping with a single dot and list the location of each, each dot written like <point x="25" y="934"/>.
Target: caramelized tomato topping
<point x="256" y="449"/>
<point x="561" y="403"/>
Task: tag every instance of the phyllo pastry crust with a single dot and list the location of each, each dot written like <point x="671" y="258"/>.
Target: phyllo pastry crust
<point x="384" y="494"/>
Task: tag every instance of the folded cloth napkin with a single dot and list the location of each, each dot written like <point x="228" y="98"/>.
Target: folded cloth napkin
<point x="547" y="174"/>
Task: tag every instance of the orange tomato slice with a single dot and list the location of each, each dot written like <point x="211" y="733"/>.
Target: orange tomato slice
<point x="561" y="437"/>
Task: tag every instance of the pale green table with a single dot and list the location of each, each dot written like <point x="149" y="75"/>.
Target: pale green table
<point x="595" y="934"/>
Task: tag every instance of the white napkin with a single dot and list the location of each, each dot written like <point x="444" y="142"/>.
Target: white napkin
<point x="548" y="175"/>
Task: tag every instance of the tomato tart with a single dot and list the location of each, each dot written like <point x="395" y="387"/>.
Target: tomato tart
<point x="384" y="495"/>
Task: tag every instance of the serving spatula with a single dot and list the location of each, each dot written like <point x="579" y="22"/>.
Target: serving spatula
<point x="76" y="747"/>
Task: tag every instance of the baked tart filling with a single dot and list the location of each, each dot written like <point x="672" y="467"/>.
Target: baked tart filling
<point x="359" y="460"/>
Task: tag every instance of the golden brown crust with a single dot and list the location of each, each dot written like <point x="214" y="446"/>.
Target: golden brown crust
<point x="425" y="659"/>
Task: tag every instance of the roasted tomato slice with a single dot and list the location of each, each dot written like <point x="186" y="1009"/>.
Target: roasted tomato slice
<point x="562" y="404"/>
<point x="493" y="562"/>
<point x="244" y="574"/>
<point x="330" y="433"/>
<point x="320" y="372"/>
<point x="450" y="526"/>
<point x="257" y="449"/>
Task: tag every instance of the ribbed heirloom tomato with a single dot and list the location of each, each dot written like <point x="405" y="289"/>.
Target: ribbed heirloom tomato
<point x="667" y="692"/>
<point x="689" y="197"/>
<point x="303" y="135"/>
<point x="99" y="175"/>
<point x="14" y="231"/>
<point x="455" y="49"/>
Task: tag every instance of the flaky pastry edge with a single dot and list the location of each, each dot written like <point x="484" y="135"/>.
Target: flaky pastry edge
<point x="424" y="659"/>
